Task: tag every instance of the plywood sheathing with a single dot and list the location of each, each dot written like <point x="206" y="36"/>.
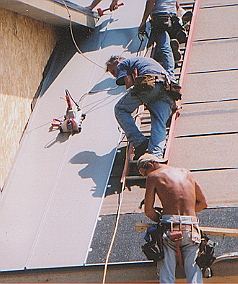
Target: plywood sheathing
<point x="26" y="45"/>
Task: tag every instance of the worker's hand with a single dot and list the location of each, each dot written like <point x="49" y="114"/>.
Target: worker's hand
<point x="114" y="5"/>
<point x="141" y="29"/>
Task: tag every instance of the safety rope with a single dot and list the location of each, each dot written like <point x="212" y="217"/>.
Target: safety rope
<point x="73" y="38"/>
<point x="120" y="199"/>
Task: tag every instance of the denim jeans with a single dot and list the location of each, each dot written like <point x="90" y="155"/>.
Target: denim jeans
<point x="164" y="53"/>
<point x="189" y="247"/>
<point x="160" y="108"/>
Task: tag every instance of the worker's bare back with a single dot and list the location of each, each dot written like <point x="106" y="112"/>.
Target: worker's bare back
<point x="176" y="189"/>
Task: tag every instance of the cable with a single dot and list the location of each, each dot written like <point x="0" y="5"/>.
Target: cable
<point x="73" y="39"/>
<point x="115" y="229"/>
<point x="93" y="62"/>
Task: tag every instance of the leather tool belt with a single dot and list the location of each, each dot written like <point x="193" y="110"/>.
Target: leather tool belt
<point x="146" y="83"/>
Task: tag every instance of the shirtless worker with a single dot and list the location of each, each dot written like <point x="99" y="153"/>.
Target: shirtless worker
<point x="181" y="197"/>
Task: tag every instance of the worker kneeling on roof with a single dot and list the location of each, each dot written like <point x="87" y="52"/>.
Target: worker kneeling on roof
<point x="181" y="198"/>
<point x="147" y="83"/>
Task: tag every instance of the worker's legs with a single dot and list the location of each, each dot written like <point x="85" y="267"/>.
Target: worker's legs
<point x="123" y="112"/>
<point x="190" y="250"/>
<point x="164" y="53"/>
<point x="160" y="107"/>
<point x="168" y="264"/>
<point x="160" y="112"/>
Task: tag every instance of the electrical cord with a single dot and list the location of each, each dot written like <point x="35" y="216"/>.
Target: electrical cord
<point x="73" y="39"/>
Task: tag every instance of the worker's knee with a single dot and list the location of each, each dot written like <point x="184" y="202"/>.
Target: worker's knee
<point x="118" y="110"/>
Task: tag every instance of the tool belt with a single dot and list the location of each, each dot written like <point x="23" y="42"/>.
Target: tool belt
<point x="161" y="22"/>
<point x="178" y="227"/>
<point x="169" y="23"/>
<point x="146" y="83"/>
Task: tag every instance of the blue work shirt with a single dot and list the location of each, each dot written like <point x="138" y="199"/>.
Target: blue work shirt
<point x="144" y="65"/>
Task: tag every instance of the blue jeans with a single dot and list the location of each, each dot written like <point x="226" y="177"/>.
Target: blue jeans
<point x="164" y="53"/>
<point x="160" y="108"/>
<point x="189" y="247"/>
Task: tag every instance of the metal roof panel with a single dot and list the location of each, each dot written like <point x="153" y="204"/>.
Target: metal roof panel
<point x="208" y="118"/>
<point x="205" y="152"/>
<point x="212" y="3"/>
<point x="220" y="187"/>
<point x="214" y="55"/>
<point x="213" y="86"/>
<point x="225" y="23"/>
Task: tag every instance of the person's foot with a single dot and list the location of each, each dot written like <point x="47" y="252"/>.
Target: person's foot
<point x="175" y="48"/>
<point x="187" y="17"/>
<point x="141" y="149"/>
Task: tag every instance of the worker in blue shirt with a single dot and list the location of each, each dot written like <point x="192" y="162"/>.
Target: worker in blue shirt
<point x="166" y="31"/>
<point x="130" y="72"/>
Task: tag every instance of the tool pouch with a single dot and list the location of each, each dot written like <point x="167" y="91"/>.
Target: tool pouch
<point x="153" y="248"/>
<point x="206" y="253"/>
<point x="161" y="23"/>
<point x="144" y="83"/>
<point x="174" y="90"/>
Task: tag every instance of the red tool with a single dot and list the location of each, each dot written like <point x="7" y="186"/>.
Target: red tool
<point x="101" y="12"/>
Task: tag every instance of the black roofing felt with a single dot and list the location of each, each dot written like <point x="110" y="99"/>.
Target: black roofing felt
<point x="127" y="245"/>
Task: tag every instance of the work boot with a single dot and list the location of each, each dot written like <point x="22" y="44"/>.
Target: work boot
<point x="141" y="149"/>
<point x="175" y="48"/>
<point x="187" y="17"/>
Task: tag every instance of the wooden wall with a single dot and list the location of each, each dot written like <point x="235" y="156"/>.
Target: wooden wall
<point x="25" y="47"/>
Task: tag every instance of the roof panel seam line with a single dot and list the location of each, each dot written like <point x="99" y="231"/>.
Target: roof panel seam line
<point x="214" y="169"/>
<point x="104" y="192"/>
<point x="102" y="199"/>
<point x="211" y="101"/>
<point x="47" y="206"/>
<point x="207" y="134"/>
<point x="215" y="39"/>
<point x="220" y="6"/>
<point x="212" y="71"/>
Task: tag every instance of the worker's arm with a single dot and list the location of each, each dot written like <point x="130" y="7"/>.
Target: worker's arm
<point x="114" y="5"/>
<point x="94" y="4"/>
<point x="148" y="9"/>
<point x="150" y="200"/>
<point x="201" y="202"/>
<point x="129" y="81"/>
